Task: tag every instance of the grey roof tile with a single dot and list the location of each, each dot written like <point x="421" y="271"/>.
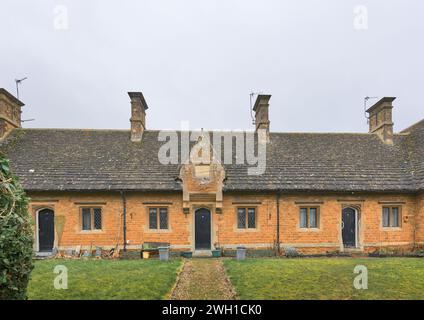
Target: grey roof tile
<point x="74" y="159"/>
<point x="415" y="149"/>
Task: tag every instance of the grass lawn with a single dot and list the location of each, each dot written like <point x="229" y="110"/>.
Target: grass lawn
<point x="326" y="278"/>
<point x="105" y="279"/>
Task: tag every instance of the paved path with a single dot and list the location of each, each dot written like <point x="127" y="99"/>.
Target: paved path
<point x="203" y="279"/>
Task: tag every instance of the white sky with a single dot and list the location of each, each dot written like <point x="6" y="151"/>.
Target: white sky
<point x="199" y="60"/>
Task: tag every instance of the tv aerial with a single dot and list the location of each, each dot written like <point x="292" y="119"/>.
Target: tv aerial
<point x="365" y="105"/>
<point x="18" y="83"/>
<point x="251" y="95"/>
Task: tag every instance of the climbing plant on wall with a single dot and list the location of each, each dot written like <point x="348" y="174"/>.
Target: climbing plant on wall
<point x="16" y="236"/>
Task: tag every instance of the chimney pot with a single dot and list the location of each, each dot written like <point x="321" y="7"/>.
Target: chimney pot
<point x="380" y="119"/>
<point x="261" y="109"/>
<point x="10" y="113"/>
<point x="138" y="115"/>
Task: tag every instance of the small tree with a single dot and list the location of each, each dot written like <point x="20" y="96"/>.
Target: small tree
<point x="16" y="236"/>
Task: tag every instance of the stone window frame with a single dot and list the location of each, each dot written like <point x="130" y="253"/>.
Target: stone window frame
<point x="391" y="207"/>
<point x="91" y="207"/>
<point x="308" y="211"/>
<point x="158" y="229"/>
<point x="247" y="207"/>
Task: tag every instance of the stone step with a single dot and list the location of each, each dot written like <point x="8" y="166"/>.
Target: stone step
<point x="202" y="253"/>
<point x="355" y="252"/>
<point x="43" y="255"/>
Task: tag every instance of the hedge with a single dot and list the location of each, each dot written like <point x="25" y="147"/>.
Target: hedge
<point x="16" y="236"/>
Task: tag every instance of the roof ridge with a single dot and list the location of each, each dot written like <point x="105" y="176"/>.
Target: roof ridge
<point x="412" y="126"/>
<point x="402" y="133"/>
<point x="72" y="129"/>
<point x="278" y="132"/>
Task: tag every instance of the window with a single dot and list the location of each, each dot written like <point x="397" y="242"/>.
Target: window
<point x="391" y="217"/>
<point x="163" y="218"/>
<point x="246" y="218"/>
<point x="251" y="219"/>
<point x="309" y="217"/>
<point x="241" y="218"/>
<point x="153" y="218"/>
<point x="158" y="220"/>
<point x="313" y="218"/>
<point x="86" y="219"/>
<point x="97" y="218"/>
<point x="91" y="219"/>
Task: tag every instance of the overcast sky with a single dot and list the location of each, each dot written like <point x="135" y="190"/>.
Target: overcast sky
<point x="198" y="61"/>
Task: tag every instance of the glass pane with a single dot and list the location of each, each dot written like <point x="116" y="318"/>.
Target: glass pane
<point x="303" y="218"/>
<point x="153" y="218"/>
<point x="385" y="217"/>
<point x="86" y="219"/>
<point x="97" y="218"/>
<point x="251" y="218"/>
<point x="241" y="218"/>
<point x="163" y="218"/>
<point x="395" y="217"/>
<point x="313" y="219"/>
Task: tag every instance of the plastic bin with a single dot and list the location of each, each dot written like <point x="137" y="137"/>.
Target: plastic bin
<point x="241" y="253"/>
<point x="163" y="253"/>
<point x="216" y="253"/>
<point x="187" y="254"/>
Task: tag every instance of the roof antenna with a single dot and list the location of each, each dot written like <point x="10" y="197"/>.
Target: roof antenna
<point x="27" y="120"/>
<point x="18" y="82"/>
<point x="251" y="95"/>
<point x="365" y="106"/>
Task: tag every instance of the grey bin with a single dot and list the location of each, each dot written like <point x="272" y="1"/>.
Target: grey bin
<point x="164" y="253"/>
<point x="241" y="253"/>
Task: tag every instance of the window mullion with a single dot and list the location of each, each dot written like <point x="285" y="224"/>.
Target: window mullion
<point x="308" y="212"/>
<point x="92" y="218"/>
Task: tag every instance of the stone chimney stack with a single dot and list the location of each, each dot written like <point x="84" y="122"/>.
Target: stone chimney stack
<point x="10" y="113"/>
<point x="261" y="112"/>
<point x="380" y="119"/>
<point x="138" y="115"/>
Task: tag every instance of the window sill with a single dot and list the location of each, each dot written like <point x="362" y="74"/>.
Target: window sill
<point x="158" y="230"/>
<point x="391" y="228"/>
<point x="247" y="230"/>
<point x="91" y="231"/>
<point x="308" y="229"/>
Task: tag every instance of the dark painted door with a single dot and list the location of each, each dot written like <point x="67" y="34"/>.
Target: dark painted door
<point x="202" y="229"/>
<point x="45" y="230"/>
<point x="349" y="227"/>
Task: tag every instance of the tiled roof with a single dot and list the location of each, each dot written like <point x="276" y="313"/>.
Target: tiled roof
<point x="416" y="150"/>
<point x="73" y="159"/>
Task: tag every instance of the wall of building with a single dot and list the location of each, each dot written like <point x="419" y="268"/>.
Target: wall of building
<point x="225" y="233"/>
<point x="67" y="208"/>
<point x="328" y="237"/>
<point x="419" y="221"/>
<point x="263" y="236"/>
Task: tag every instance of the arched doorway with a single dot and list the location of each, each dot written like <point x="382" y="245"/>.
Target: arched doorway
<point x="45" y="223"/>
<point x="202" y="229"/>
<point x="350" y="227"/>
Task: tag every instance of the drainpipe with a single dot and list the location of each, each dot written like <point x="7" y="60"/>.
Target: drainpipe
<point x="124" y="206"/>
<point x="278" y="222"/>
<point x="415" y="223"/>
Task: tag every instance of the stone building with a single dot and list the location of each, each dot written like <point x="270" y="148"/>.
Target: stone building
<point x="317" y="192"/>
